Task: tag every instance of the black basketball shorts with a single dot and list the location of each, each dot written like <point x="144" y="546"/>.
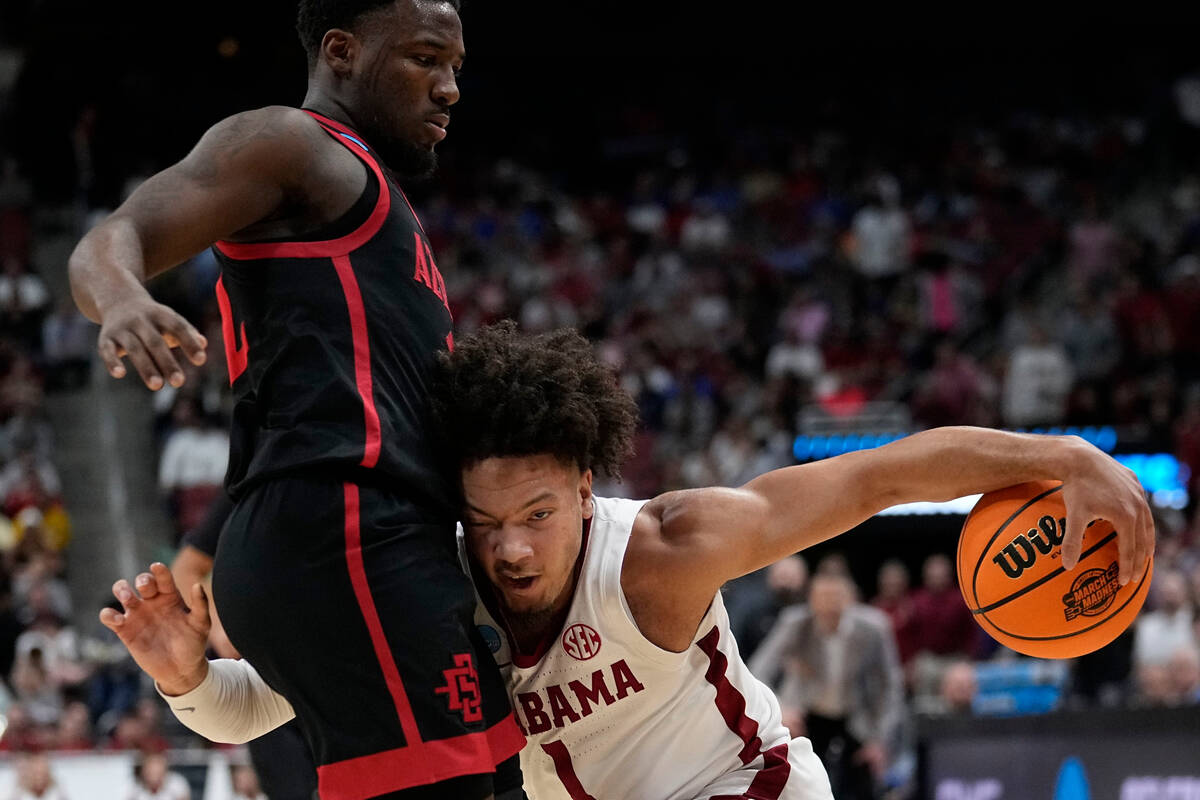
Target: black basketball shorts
<point x="353" y="607"/>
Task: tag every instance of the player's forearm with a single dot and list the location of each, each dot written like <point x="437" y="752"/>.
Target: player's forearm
<point x="232" y="705"/>
<point x="107" y="267"/>
<point x="804" y="505"/>
<point x="190" y="566"/>
<point x="945" y="463"/>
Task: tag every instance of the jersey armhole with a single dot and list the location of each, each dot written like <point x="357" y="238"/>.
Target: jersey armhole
<point x="615" y="606"/>
<point x="308" y="246"/>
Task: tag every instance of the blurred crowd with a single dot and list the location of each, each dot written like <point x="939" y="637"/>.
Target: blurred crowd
<point x="63" y="688"/>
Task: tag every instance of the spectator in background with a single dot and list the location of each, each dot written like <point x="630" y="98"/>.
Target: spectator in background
<point x="29" y="480"/>
<point x="34" y="690"/>
<point x="795" y="356"/>
<point x="245" y="784"/>
<point x="895" y="599"/>
<point x="1089" y="335"/>
<point x="53" y="643"/>
<point x="958" y="689"/>
<point x="1154" y="688"/>
<point x="154" y="781"/>
<point x="67" y="338"/>
<point x="944" y="626"/>
<point x="705" y="229"/>
<point x="133" y="731"/>
<point x="24" y="301"/>
<point x="949" y="296"/>
<point x="1184" y="670"/>
<point x="35" y="781"/>
<point x="22" y="734"/>
<point x="943" y="629"/>
<point x="1161" y="632"/>
<point x="833" y="664"/>
<point x="1037" y="382"/>
<point x="1094" y="248"/>
<point x="37" y="582"/>
<point x="74" y="728"/>
<point x="881" y="241"/>
<point x="194" y="459"/>
<point x="755" y="601"/>
<point x="956" y="391"/>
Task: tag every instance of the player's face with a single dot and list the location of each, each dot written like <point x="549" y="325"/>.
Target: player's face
<point x="524" y="525"/>
<point x="408" y="83"/>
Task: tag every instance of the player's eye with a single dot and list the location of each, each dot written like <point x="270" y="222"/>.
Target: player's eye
<point x="540" y="515"/>
<point x="425" y="61"/>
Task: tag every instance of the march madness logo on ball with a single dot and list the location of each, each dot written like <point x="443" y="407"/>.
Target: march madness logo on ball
<point x="1091" y="593"/>
<point x="581" y="642"/>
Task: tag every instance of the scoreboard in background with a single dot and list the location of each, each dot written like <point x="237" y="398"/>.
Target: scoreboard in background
<point x="1164" y="477"/>
<point x="1151" y="754"/>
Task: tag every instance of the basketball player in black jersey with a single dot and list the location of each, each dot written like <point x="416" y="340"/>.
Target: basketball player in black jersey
<point x="336" y="574"/>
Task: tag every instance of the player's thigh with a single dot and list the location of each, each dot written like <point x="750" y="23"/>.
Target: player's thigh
<point x="361" y="618"/>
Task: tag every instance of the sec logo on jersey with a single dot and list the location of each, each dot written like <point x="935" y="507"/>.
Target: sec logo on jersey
<point x="580" y="641"/>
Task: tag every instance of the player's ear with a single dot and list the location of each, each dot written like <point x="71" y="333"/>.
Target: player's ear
<point x="587" y="499"/>
<point x="340" y="49"/>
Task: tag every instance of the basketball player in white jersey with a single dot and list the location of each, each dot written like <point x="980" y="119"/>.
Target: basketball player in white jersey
<point x="605" y="614"/>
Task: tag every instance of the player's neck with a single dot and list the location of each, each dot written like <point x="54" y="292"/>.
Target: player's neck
<point x="328" y="106"/>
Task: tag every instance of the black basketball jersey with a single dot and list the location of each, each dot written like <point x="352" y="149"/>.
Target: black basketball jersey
<point x="330" y="343"/>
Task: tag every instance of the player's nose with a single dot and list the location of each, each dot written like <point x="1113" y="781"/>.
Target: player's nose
<point x="445" y="90"/>
<point x="512" y="548"/>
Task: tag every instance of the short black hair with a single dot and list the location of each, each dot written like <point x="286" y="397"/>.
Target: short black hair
<point x="501" y="393"/>
<point x="316" y="17"/>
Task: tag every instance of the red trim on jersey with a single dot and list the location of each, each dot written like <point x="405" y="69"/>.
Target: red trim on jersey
<point x="505" y="738"/>
<point x="730" y="702"/>
<point x="770" y="781"/>
<point x="328" y="248"/>
<point x="566" y="770"/>
<point x="328" y="122"/>
<point x="366" y="604"/>
<point x="237" y="358"/>
<point x="341" y="128"/>
<point x="362" y="360"/>
<point x="420" y="764"/>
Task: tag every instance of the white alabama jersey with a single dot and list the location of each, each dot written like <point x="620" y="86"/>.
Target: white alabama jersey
<point x="610" y="716"/>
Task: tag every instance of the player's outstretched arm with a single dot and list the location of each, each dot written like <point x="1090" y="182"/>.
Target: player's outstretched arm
<point x="718" y="534"/>
<point x="242" y="171"/>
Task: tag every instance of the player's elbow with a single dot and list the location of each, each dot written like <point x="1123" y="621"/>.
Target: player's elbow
<point x="80" y="278"/>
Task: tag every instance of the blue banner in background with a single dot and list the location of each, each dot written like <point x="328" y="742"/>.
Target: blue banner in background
<point x="1163" y="476"/>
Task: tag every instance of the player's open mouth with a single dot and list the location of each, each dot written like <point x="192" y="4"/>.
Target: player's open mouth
<point x="518" y="583"/>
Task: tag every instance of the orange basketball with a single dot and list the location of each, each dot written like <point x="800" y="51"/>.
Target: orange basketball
<point x="1011" y="575"/>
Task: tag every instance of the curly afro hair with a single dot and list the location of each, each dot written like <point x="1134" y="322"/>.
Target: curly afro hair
<point x="501" y="393"/>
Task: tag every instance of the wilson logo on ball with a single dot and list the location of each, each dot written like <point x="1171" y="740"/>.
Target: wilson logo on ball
<point x="1021" y="553"/>
<point x="1091" y="593"/>
<point x="581" y="642"/>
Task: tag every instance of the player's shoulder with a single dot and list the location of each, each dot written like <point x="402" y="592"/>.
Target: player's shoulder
<point x="271" y="131"/>
<point x="616" y="509"/>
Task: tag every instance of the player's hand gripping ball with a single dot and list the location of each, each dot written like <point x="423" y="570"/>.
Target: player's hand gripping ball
<point x="1011" y="575"/>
